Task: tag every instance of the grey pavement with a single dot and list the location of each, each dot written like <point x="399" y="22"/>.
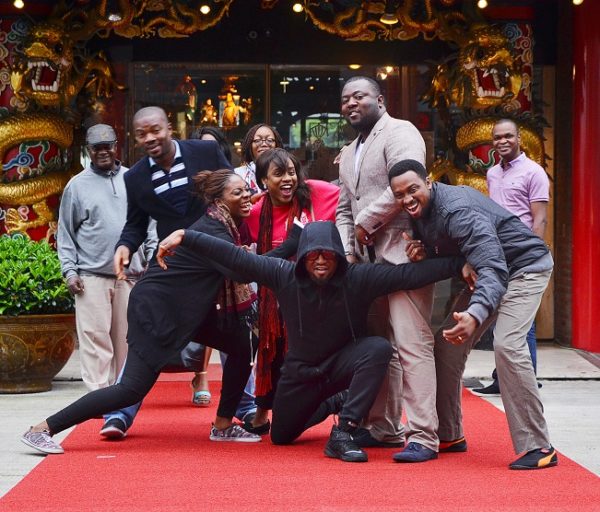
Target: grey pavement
<point x="570" y="393"/>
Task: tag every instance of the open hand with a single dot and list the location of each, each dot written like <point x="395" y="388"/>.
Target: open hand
<point x="167" y="247"/>
<point x="463" y="330"/>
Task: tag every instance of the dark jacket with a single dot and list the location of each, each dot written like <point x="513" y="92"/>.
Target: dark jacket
<point x="461" y="220"/>
<point x="320" y="320"/>
<point x="166" y="307"/>
<point x="143" y="203"/>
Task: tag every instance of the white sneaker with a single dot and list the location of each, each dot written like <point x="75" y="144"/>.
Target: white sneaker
<point x="233" y="433"/>
<point x="41" y="441"/>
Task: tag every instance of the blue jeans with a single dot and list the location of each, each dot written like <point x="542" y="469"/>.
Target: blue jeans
<point x="532" y="345"/>
<point x="245" y="407"/>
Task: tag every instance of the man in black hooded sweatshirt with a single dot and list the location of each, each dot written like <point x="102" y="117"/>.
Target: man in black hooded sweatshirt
<point x="324" y="302"/>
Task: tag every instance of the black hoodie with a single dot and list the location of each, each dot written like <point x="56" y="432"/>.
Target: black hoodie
<point x="322" y="319"/>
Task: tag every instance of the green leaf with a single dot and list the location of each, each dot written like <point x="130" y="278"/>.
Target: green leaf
<point x="30" y="278"/>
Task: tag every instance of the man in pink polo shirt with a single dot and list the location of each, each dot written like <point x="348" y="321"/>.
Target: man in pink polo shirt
<point x="522" y="187"/>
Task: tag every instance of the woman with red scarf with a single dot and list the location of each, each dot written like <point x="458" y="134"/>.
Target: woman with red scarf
<point x="288" y="195"/>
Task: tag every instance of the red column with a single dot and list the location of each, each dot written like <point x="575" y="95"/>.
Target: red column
<point x="586" y="177"/>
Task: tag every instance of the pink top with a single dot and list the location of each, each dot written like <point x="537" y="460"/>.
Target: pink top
<point x="324" y="199"/>
<point x="517" y="184"/>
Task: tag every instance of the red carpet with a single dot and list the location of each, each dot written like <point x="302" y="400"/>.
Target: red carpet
<point x="168" y="464"/>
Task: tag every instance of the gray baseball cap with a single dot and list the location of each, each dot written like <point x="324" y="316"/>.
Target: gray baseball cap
<point x="100" y="134"/>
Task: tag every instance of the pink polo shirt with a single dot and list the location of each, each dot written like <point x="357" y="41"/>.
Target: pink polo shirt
<point x="517" y="184"/>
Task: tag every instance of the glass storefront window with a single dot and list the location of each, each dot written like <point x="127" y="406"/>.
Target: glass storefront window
<point x="231" y="97"/>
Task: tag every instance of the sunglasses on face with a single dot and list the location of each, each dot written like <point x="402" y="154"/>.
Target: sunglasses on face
<point x="314" y="255"/>
<point x="104" y="146"/>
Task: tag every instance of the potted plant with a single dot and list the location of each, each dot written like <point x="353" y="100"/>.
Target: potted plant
<point x="37" y="324"/>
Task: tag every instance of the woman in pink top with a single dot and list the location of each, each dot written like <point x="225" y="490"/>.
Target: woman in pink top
<point x="289" y="195"/>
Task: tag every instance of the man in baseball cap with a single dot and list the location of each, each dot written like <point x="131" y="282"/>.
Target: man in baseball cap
<point x="100" y="134"/>
<point x="92" y="213"/>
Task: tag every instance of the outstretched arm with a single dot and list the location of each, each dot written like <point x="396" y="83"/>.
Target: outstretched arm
<point x="262" y="269"/>
<point x="383" y="279"/>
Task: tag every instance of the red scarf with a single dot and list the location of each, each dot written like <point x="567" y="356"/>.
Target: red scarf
<point x="270" y="324"/>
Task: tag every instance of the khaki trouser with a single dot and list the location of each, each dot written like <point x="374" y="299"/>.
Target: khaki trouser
<point x="403" y="318"/>
<point x="518" y="385"/>
<point x="101" y="318"/>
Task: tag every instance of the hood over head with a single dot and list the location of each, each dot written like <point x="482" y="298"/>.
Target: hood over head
<point x="320" y="235"/>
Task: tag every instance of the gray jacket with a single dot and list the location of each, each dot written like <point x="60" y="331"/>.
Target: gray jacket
<point x="461" y="220"/>
<point x="92" y="213"/>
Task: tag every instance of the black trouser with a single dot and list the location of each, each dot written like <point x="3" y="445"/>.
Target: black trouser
<point x="138" y="378"/>
<point x="359" y="367"/>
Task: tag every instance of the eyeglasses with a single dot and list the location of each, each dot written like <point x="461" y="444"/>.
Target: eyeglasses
<point x="104" y="146"/>
<point x="269" y="141"/>
<point x="314" y="255"/>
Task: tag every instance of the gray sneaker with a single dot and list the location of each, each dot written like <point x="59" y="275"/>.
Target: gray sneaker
<point x="233" y="433"/>
<point x="41" y="441"/>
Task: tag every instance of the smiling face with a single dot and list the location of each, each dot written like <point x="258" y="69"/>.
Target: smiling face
<point x="411" y="192"/>
<point x="320" y="265"/>
<point x="153" y="132"/>
<point x="361" y="105"/>
<point x="506" y="140"/>
<point x="236" y="197"/>
<point x="281" y="183"/>
<point x="264" y="139"/>
<point x="103" y="155"/>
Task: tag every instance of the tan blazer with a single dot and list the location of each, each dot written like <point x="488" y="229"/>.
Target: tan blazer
<point x="365" y="197"/>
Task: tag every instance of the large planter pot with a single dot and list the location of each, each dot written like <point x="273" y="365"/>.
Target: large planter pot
<point x="33" y="349"/>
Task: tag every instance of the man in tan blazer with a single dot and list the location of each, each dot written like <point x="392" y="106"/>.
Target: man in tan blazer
<point x="374" y="232"/>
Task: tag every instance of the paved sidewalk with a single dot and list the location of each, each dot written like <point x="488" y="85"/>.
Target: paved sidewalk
<point x="570" y="392"/>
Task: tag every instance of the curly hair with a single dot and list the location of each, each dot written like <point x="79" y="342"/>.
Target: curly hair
<point x="209" y="185"/>
<point x="247" y="142"/>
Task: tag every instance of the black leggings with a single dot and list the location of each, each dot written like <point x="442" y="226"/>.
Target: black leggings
<point x="138" y="378"/>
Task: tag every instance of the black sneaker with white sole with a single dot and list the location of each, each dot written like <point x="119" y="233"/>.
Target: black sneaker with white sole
<point x="342" y="446"/>
<point x="114" y="429"/>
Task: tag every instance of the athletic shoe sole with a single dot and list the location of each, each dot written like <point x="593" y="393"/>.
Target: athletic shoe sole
<point x="47" y="451"/>
<point x="479" y="393"/>
<point x="549" y="465"/>
<point x="236" y="439"/>
<point x="113" y="433"/>
<point x="455" y="447"/>
<point x="357" y="456"/>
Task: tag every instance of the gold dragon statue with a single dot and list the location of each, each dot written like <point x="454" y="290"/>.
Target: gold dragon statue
<point x="47" y="74"/>
<point x="484" y="81"/>
<point x="361" y="20"/>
